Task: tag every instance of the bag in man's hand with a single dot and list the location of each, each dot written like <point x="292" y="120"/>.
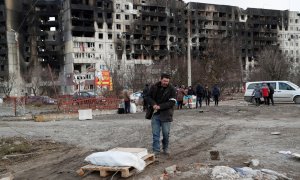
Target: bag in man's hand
<point x="149" y="113"/>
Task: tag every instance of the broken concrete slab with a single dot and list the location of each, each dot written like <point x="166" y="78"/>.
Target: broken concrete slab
<point x="224" y="172"/>
<point x="171" y="170"/>
<point x="254" y="162"/>
<point x="279" y="175"/>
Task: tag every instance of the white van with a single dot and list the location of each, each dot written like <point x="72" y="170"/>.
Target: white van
<point x="284" y="91"/>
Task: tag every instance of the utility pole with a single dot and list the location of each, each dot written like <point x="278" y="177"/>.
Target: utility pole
<point x="189" y="67"/>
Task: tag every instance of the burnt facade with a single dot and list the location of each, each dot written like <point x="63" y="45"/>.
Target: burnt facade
<point x="41" y="35"/>
<point x="3" y="42"/>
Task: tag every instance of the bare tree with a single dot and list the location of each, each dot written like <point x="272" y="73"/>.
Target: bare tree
<point x="271" y="65"/>
<point x="218" y="64"/>
<point x="8" y="83"/>
<point x="40" y="80"/>
<point x="295" y="75"/>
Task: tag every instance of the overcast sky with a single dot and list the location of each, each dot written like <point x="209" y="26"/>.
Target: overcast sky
<point x="293" y="5"/>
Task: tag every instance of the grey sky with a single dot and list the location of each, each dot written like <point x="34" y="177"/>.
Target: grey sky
<point x="293" y="5"/>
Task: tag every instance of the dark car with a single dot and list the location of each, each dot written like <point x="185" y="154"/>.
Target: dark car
<point x="83" y="95"/>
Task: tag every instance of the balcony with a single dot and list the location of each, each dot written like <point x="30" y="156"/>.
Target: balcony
<point x="81" y="7"/>
<point x="3" y="51"/>
<point x="153" y="13"/>
<point x="82" y="28"/>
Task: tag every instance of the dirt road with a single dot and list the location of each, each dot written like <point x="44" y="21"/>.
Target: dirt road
<point x="240" y="133"/>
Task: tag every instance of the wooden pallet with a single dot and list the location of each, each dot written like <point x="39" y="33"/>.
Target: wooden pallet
<point x="106" y="170"/>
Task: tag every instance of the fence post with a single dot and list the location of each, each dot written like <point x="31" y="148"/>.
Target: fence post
<point x="15" y="106"/>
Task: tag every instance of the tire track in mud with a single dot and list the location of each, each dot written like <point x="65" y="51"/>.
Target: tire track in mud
<point x="59" y="165"/>
<point x="217" y="136"/>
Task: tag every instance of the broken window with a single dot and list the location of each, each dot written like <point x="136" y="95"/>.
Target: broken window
<point x="127" y="27"/>
<point x="109" y="26"/>
<point x="109" y="36"/>
<point x="109" y="15"/>
<point x="126" y="17"/>
<point x="118" y="16"/>
<point x="52" y="28"/>
<point x="51" y="18"/>
<point x="99" y="4"/>
<point x="100" y="46"/>
<point x="100" y="25"/>
<point x="117" y="6"/>
<point x="118" y="26"/>
<point x="126" y="6"/>
<point x="100" y="35"/>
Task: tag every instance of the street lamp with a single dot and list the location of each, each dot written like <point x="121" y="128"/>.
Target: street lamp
<point x="189" y="66"/>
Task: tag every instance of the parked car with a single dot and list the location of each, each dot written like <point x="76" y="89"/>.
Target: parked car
<point x="84" y="95"/>
<point x="284" y="91"/>
<point x="49" y="100"/>
<point x="40" y="99"/>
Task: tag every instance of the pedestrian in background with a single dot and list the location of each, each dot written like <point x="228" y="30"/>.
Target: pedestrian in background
<point x="190" y="94"/>
<point x="179" y="96"/>
<point x="207" y="95"/>
<point x="126" y="97"/>
<point x="199" y="94"/>
<point x="265" y="93"/>
<point x="257" y="94"/>
<point x="161" y="98"/>
<point x="216" y="94"/>
<point x="271" y="92"/>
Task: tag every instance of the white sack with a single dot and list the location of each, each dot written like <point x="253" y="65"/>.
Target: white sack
<point x="116" y="158"/>
<point x="132" y="108"/>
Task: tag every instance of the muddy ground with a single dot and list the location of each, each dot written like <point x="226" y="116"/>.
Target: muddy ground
<point x="240" y="132"/>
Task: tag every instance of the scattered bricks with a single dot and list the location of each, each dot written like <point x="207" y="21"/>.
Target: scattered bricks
<point x="80" y="172"/>
<point x="164" y="176"/>
<point x="39" y="118"/>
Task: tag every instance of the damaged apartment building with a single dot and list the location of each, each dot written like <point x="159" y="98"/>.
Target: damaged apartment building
<point x="30" y="39"/>
<point x="80" y="38"/>
<point x="116" y="35"/>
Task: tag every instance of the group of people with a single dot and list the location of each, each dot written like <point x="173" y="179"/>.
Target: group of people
<point x="266" y="91"/>
<point x="200" y="92"/>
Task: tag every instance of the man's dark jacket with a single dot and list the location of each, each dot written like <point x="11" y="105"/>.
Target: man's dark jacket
<point x="166" y="101"/>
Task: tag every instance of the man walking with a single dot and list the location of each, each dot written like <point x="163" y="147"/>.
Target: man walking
<point x="216" y="94"/>
<point x="200" y="94"/>
<point x="161" y="98"/>
<point x="207" y="95"/>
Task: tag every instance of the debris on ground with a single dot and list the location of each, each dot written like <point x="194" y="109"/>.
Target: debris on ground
<point x="170" y="170"/>
<point x="201" y="171"/>
<point x="214" y="155"/>
<point x="275" y="133"/>
<point x="254" y="162"/>
<point x="295" y="155"/>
